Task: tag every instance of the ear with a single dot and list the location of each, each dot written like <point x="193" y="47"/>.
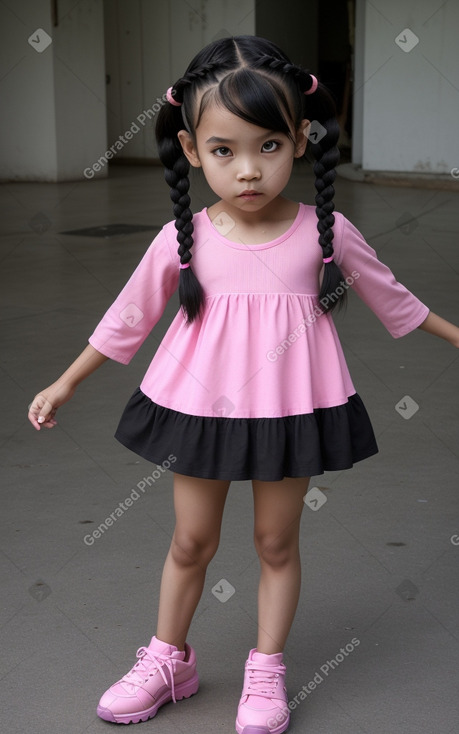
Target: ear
<point x="302" y="138"/>
<point x="189" y="148"/>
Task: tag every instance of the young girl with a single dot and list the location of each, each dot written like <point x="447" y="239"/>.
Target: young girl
<point x="250" y="381"/>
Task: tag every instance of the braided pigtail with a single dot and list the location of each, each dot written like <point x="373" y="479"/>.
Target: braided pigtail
<point x="171" y="120"/>
<point x="320" y="107"/>
<point x="176" y="169"/>
<point x="312" y="101"/>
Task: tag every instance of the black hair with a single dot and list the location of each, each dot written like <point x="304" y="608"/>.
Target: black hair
<point x="256" y="81"/>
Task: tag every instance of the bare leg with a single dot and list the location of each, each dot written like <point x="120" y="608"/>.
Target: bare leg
<point x="278" y="507"/>
<point x="199" y="505"/>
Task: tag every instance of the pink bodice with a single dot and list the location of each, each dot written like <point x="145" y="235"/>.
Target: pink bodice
<point x="262" y="348"/>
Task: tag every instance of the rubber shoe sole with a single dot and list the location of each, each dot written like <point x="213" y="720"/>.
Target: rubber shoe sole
<point x="183" y="690"/>
<point x="262" y="729"/>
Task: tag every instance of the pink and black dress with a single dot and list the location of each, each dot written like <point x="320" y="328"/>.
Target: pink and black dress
<point x="258" y="388"/>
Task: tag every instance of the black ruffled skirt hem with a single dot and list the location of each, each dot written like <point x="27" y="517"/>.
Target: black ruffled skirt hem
<point x="268" y="449"/>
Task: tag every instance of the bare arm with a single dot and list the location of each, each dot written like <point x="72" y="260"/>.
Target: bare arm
<point x="44" y="405"/>
<point x="437" y="326"/>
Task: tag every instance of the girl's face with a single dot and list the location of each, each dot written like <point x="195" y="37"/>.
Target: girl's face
<point x="245" y="165"/>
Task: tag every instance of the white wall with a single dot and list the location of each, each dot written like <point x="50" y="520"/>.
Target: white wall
<point x="406" y="105"/>
<point x="148" y="47"/>
<point x="53" y="119"/>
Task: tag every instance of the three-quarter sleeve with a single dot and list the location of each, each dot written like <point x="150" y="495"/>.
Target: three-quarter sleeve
<point x="141" y="303"/>
<point x="396" y="307"/>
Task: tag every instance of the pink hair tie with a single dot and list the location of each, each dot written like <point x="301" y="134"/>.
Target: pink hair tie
<point x="182" y="267"/>
<point x="314" y="85"/>
<point x="170" y="98"/>
<point x="328" y="259"/>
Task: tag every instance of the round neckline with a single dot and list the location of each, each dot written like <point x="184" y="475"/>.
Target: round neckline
<point x="262" y="245"/>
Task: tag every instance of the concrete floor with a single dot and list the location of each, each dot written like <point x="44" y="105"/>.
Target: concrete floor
<point x="380" y="557"/>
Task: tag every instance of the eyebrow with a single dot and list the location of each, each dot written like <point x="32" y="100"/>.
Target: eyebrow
<point x="214" y="139"/>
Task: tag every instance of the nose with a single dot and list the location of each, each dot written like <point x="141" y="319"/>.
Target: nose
<point x="248" y="170"/>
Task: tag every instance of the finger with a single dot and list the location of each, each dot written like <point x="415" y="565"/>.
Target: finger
<point x="32" y="415"/>
<point x="41" y="411"/>
<point x="49" y="423"/>
<point x="34" y="423"/>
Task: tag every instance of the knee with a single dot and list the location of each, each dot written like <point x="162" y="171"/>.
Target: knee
<point x="187" y="550"/>
<point x="276" y="551"/>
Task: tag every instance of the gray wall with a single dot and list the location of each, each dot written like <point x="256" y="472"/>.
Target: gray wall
<point x="406" y="104"/>
<point x="148" y="47"/>
<point x="53" y="98"/>
<point x="59" y="117"/>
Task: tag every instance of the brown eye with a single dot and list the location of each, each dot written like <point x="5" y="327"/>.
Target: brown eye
<point x="270" y="146"/>
<point x="221" y="152"/>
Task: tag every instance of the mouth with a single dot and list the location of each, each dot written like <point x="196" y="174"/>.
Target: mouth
<point x="249" y="194"/>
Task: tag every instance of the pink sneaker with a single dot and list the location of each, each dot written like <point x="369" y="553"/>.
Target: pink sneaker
<point x="263" y="708"/>
<point x="161" y="674"/>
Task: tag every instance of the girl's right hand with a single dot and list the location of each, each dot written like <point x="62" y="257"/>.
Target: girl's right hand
<point x="43" y="407"/>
